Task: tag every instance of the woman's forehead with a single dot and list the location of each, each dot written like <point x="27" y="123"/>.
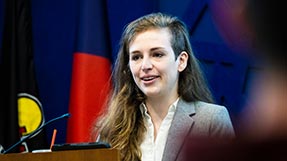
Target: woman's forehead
<point x="153" y="38"/>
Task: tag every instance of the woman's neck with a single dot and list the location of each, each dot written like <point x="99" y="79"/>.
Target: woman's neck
<point x="158" y="107"/>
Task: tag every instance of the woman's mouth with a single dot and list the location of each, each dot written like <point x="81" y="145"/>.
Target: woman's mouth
<point x="149" y="79"/>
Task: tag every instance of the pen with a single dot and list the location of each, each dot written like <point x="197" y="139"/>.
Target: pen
<point x="53" y="138"/>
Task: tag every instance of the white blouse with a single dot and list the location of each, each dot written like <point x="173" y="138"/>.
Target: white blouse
<point x="152" y="150"/>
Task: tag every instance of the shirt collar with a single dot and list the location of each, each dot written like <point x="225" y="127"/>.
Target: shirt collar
<point x="172" y="107"/>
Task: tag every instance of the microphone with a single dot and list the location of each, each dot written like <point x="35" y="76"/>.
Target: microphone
<point x="34" y="132"/>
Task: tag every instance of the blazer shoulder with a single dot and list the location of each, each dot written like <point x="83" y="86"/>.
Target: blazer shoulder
<point x="209" y="107"/>
<point x="201" y="108"/>
<point x="218" y="117"/>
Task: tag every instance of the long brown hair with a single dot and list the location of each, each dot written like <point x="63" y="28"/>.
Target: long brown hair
<point x="122" y="125"/>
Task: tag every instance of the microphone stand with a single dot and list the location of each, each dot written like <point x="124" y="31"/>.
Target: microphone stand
<point x="34" y="132"/>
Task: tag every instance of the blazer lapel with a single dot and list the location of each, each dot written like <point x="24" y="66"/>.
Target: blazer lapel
<point x="180" y="127"/>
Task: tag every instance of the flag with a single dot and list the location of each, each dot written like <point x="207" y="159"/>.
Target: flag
<point x="20" y="109"/>
<point x="91" y="70"/>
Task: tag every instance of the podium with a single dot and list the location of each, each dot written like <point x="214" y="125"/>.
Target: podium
<point x="68" y="155"/>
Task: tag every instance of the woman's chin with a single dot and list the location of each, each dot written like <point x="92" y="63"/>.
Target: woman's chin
<point x="152" y="94"/>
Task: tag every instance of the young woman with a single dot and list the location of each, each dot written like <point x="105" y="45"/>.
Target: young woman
<point x="159" y="96"/>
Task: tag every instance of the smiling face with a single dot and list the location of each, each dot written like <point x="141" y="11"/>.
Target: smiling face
<point x="153" y="64"/>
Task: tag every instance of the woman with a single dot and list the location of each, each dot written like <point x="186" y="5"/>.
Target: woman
<point x="159" y="96"/>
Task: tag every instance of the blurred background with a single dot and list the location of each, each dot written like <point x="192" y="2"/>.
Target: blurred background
<point x="64" y="28"/>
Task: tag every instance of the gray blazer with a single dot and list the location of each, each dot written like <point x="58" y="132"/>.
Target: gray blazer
<point x="196" y="119"/>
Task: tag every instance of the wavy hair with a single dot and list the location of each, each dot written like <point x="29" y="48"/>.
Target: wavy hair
<point x="122" y="124"/>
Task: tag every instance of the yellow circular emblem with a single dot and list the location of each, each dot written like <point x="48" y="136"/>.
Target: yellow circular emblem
<point x="29" y="113"/>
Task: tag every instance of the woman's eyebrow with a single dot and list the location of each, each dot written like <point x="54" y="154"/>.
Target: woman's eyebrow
<point x="134" y="52"/>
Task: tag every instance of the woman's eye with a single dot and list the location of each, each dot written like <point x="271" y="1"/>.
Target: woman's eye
<point x="158" y="55"/>
<point x="135" y="57"/>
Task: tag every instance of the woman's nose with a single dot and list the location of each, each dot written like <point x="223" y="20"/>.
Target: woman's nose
<point x="146" y="64"/>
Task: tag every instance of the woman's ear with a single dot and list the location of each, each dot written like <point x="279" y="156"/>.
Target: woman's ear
<point x="182" y="58"/>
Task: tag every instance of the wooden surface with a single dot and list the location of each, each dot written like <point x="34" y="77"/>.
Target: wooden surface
<point x="69" y="155"/>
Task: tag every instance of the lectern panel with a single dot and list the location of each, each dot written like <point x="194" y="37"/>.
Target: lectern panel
<point x="69" y="155"/>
